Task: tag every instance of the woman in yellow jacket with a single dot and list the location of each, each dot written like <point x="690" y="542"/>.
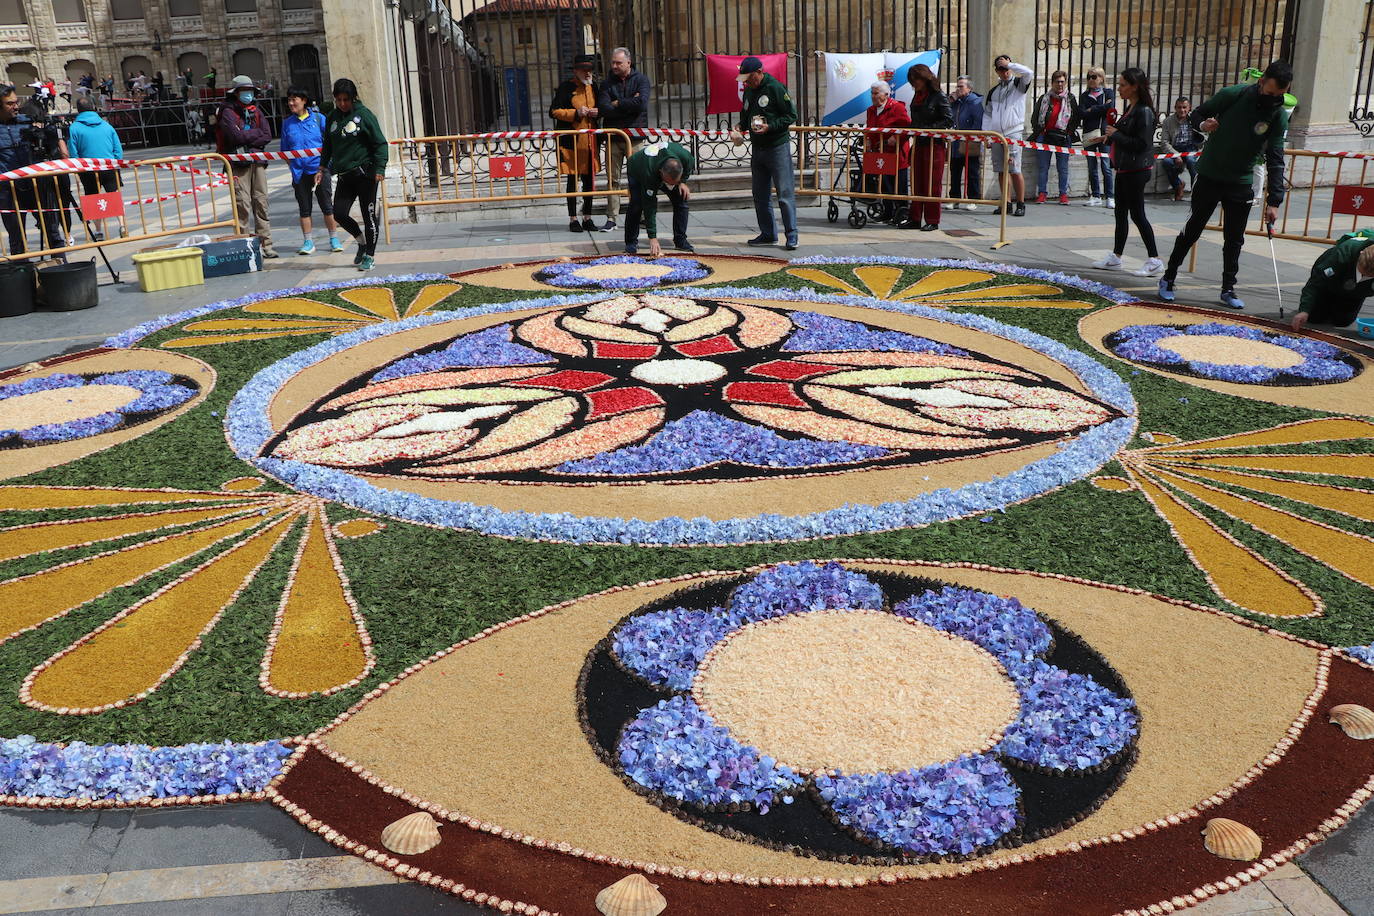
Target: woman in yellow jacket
<point x="574" y="108"/>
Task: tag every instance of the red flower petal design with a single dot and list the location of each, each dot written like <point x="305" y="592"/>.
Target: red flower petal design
<point x="708" y="347"/>
<point x="777" y="393"/>
<point x="568" y="380"/>
<point x="605" y="349"/>
<point x="789" y="370"/>
<point x="619" y="400"/>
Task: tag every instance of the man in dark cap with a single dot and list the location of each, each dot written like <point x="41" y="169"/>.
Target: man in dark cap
<point x="768" y="113"/>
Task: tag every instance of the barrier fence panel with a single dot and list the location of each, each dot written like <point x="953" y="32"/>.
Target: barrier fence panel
<point x="45" y="212"/>
<point x="860" y="166"/>
<point x="503" y="166"/>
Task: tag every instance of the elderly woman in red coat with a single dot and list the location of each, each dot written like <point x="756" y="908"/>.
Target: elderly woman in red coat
<point x="889" y="112"/>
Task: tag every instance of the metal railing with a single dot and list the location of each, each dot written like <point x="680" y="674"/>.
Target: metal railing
<point x="831" y="163"/>
<point x="163" y="197"/>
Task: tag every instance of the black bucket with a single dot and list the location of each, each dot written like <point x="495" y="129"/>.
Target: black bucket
<point x="69" y="287"/>
<point x="16" y="289"/>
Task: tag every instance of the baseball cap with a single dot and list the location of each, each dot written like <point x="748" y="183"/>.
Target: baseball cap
<point x="747" y="66"/>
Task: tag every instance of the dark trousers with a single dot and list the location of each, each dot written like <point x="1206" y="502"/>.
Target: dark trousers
<point x="972" y="166"/>
<point x="1340" y="312"/>
<point x="636" y="213"/>
<point x="1130" y="208"/>
<point x="359" y="185"/>
<point x="571" y="185"/>
<point x="1235" y="213"/>
<point x="19" y="196"/>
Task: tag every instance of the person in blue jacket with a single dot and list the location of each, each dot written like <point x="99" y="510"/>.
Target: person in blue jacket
<point x="303" y="128"/>
<point x="92" y="137"/>
<point x="965" y="161"/>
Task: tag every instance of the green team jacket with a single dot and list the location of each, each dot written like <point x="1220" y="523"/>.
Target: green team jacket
<point x="1243" y="130"/>
<point x="643" y="169"/>
<point x="1333" y="287"/>
<point x="352" y="140"/>
<point x="774" y="102"/>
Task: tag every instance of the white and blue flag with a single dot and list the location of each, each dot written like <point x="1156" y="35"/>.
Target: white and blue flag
<point x="900" y="63"/>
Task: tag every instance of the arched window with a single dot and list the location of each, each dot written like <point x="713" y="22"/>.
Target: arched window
<point x="68" y="10"/>
<point x="240" y="6"/>
<point x="20" y="74"/>
<point x="12" y="13"/>
<point x="304" y="61"/>
<point x="196" y="62"/>
<point x="249" y="62"/>
<point x="79" y="68"/>
<point x="126" y="9"/>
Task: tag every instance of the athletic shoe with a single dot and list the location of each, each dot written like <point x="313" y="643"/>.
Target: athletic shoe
<point x="930" y="227"/>
<point x="307" y="247"/>
<point x="1040" y="198"/>
<point x="588" y="224"/>
<point x="1020" y="209"/>
<point x="759" y="241"/>
<point x="359" y="255"/>
<point x="1093" y="202"/>
<point x="1109" y="203"/>
<point x="574" y="226"/>
<point x="790" y="245"/>
<point x="948" y="206"/>
<point x="270" y="253"/>
<point x="335" y="246"/>
<point x="1166" y="290"/>
<point x="1151" y="268"/>
<point x="972" y="208"/>
<point x="608" y="226"/>
<point x="1064" y="199"/>
<point x="632" y="249"/>
<point x="1229" y="299"/>
<point x="365" y="263"/>
<point x="683" y="245"/>
<point x="1110" y="262"/>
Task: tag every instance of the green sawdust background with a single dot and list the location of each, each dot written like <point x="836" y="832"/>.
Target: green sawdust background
<point x="421" y="589"/>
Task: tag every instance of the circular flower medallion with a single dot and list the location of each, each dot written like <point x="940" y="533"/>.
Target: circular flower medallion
<point x="1234" y="353"/>
<point x="612" y="413"/>
<point x="623" y="272"/>
<point x="850" y="715"/>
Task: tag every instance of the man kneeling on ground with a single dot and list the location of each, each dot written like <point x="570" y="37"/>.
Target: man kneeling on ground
<point x="658" y="165"/>
<point x="1342" y="278"/>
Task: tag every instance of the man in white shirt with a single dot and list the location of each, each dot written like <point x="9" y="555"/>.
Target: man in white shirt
<point x="1004" y="111"/>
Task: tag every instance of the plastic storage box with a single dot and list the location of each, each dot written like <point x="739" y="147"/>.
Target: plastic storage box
<point x="169" y="268"/>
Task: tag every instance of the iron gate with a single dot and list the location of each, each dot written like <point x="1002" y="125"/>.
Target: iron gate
<point x="1187" y="47"/>
<point x="1361" y="110"/>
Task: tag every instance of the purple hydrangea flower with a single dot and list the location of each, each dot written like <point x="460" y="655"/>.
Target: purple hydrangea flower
<point x="158" y="389"/>
<point x="1004" y="626"/>
<point x="819" y="332"/>
<point x="491" y="347"/>
<point x="1363" y="653"/>
<point x="568" y="274"/>
<point x="1321" y="361"/>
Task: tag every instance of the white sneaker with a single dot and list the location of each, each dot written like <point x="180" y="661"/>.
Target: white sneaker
<point x="948" y="206"/>
<point x="1110" y="262"/>
<point x="972" y="208"/>
<point x="1152" y="267"/>
<point x="1093" y="202"/>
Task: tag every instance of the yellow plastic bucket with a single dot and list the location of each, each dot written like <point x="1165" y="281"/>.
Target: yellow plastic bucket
<point x="169" y="268"/>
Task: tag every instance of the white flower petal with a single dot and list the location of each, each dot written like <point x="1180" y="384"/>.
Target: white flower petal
<point x="443" y="422"/>
<point x="936" y="397"/>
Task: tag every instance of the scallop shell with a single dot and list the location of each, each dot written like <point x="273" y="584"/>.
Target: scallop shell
<point x="1231" y="840"/>
<point x="1356" y="721"/>
<point x="412" y="834"/>
<point x="631" y="896"/>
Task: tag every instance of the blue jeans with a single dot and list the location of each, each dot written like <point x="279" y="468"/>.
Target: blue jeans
<point x="1061" y="161"/>
<point x="1173" y="168"/>
<point x="1108" y="179"/>
<point x="772" y="168"/>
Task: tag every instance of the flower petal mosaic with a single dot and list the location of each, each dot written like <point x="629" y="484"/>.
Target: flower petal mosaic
<point x="549" y="550"/>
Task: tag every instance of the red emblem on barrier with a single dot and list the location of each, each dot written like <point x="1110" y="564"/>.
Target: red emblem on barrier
<point x="1353" y="200"/>
<point x="507" y="167"/>
<point x="101" y="206"/>
<point x="880" y="163"/>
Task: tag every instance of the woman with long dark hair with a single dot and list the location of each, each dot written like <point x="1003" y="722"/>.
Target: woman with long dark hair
<point x="1131" y="141"/>
<point x="929" y="109"/>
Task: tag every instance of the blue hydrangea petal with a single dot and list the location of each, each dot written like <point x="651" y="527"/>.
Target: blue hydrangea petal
<point x="1068" y="721"/>
<point x="953" y="808"/>
<point x="159" y="397"/>
<point x="820" y="333"/>
<point x="73" y="429"/>
<point x="490" y="347"/>
<point x="1004" y="626"/>
<point x="665" y="647"/>
<point x="676" y="749"/>
<point x="1363" y="653"/>
<point x="792" y="588"/>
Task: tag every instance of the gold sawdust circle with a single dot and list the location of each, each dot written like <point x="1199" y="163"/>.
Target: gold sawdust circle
<point x="1229" y="351"/>
<point x="63" y="405"/>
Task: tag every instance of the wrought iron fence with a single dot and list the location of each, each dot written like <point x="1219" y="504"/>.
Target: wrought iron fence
<point x="1362" y="106"/>
<point x="1187" y="47"/>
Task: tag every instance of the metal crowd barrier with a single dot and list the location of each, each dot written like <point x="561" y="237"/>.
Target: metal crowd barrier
<point x="176" y="195"/>
<point x="857" y="164"/>
<point x="502" y="166"/>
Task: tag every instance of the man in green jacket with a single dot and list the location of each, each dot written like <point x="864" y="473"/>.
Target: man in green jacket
<point x="768" y="113"/>
<point x="658" y="165"/>
<point x="355" y="152"/>
<point x="1240" y="121"/>
<point x="1342" y="279"/>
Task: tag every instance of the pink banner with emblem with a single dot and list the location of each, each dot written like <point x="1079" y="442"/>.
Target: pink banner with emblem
<point x="725" y="93"/>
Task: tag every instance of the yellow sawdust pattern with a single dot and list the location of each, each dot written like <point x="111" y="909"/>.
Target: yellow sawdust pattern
<point x="306" y="308"/>
<point x="1026" y="304"/>
<point x="22" y="498"/>
<point x="1113" y="484"/>
<point x="375" y="299"/>
<point x="1238" y="575"/>
<point x="941" y="280"/>
<point x="1346" y="553"/>
<point x="357" y="527"/>
<point x="1325" y="430"/>
<point x="242" y="484"/>
<point x="880" y="280"/>
<point x="31" y="600"/>
<point x="1357" y="503"/>
<point x="430" y="296"/>
<point x="22" y="541"/>
<point x="148" y="642"/>
<point x="318" y="646"/>
<point x="211" y="340"/>
<point x="274" y="324"/>
<point x="1333" y="465"/>
<point x="823" y="278"/>
<point x="1000" y="292"/>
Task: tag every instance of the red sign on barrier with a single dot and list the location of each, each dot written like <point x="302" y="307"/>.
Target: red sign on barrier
<point x="880" y="163"/>
<point x="1353" y="200"/>
<point x="101" y="206"/>
<point x="507" y="167"/>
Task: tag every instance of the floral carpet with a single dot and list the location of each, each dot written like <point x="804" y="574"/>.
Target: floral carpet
<point x="822" y="586"/>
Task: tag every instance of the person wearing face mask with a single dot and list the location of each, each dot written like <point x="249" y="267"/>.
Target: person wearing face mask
<point x="241" y="127"/>
<point x="1055" y="122"/>
<point x="889" y="112"/>
<point x="1240" y="122"/>
<point x="574" y="108"/>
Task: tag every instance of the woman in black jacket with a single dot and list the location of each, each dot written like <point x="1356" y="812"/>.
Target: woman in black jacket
<point x="930" y="110"/>
<point x="1132" y="141"/>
